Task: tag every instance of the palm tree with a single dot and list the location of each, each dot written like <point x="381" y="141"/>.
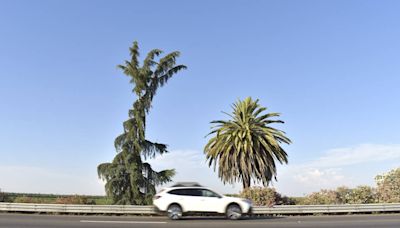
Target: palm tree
<point x="129" y="180"/>
<point x="246" y="147"/>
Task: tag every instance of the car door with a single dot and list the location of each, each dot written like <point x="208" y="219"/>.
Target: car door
<point x="209" y="201"/>
<point x="191" y="199"/>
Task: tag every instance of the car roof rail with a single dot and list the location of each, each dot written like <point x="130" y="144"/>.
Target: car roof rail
<point x="186" y="184"/>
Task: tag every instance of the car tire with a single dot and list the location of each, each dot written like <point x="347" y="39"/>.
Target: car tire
<point x="174" y="212"/>
<point x="233" y="212"/>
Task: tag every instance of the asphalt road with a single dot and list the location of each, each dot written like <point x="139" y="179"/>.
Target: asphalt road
<point x="63" y="221"/>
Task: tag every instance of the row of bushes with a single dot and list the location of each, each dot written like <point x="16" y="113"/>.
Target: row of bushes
<point x="53" y="199"/>
<point x="387" y="190"/>
<point x="61" y="200"/>
<point x="342" y="195"/>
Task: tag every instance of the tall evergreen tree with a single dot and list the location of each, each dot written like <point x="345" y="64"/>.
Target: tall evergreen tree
<point x="128" y="179"/>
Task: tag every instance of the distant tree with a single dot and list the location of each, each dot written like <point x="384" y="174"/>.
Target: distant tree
<point x="129" y="180"/>
<point x="246" y="147"/>
<point x="388" y="186"/>
<point x="2" y="196"/>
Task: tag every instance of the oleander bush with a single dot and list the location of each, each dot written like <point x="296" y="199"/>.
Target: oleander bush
<point x="388" y="186"/>
<point x="361" y="195"/>
<point x="322" y="197"/>
<point x="342" y="195"/>
<point x="262" y="196"/>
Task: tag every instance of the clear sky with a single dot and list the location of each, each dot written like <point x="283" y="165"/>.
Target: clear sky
<point x="332" y="68"/>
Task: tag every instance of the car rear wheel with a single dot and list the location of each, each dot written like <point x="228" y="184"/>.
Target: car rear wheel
<point x="233" y="212"/>
<point x="174" y="212"/>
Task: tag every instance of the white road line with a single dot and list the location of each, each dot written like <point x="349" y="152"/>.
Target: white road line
<point x="122" y="222"/>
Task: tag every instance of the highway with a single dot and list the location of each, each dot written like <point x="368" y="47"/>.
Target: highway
<point x="9" y="220"/>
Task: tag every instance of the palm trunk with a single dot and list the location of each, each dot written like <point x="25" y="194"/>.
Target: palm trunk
<point x="246" y="183"/>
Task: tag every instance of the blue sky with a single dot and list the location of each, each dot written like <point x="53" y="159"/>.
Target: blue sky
<point x="330" y="67"/>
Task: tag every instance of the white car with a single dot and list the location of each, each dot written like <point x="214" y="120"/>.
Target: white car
<point x="192" y="198"/>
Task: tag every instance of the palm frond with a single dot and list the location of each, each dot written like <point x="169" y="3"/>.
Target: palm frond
<point x="246" y="147"/>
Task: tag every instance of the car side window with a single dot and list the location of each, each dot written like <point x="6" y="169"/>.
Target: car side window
<point x="208" y="193"/>
<point x="193" y="192"/>
<point x="177" y="192"/>
<point x="186" y="192"/>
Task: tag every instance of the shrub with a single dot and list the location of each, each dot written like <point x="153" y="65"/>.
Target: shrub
<point x="388" y="186"/>
<point x="103" y="201"/>
<point x="262" y="196"/>
<point x="74" y="200"/>
<point x="289" y="200"/>
<point x="344" y="194"/>
<point x="361" y="195"/>
<point x="298" y="200"/>
<point x="26" y="199"/>
<point x="322" y="197"/>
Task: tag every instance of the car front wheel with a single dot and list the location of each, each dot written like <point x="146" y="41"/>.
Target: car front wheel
<point x="174" y="212"/>
<point x="233" y="212"/>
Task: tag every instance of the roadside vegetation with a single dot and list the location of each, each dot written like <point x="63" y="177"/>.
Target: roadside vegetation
<point x="54" y="199"/>
<point x="3" y="196"/>
<point x="387" y="190"/>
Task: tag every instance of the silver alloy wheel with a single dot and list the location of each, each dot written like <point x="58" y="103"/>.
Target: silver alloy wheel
<point x="174" y="212"/>
<point x="233" y="212"/>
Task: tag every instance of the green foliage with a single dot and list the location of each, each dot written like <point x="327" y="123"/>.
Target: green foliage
<point x="3" y="197"/>
<point x="103" y="201"/>
<point x="246" y="146"/>
<point x="296" y="200"/>
<point x="262" y="196"/>
<point x="388" y="186"/>
<point x="76" y="199"/>
<point x="55" y="199"/>
<point x="362" y="195"/>
<point x="322" y="197"/>
<point x="60" y="200"/>
<point x="342" y="195"/>
<point x="28" y="199"/>
<point x="128" y="179"/>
